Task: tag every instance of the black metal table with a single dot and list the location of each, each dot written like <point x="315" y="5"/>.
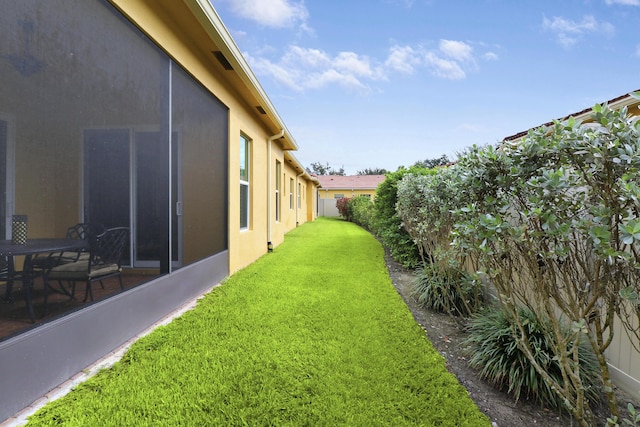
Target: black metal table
<point x="33" y="247"/>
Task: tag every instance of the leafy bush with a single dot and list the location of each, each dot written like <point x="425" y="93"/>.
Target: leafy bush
<point x="494" y="350"/>
<point x="426" y="204"/>
<point x="553" y="221"/>
<point x="633" y="413"/>
<point x="453" y="291"/>
<point x="343" y="207"/>
<point x="362" y="212"/>
<point x="388" y="226"/>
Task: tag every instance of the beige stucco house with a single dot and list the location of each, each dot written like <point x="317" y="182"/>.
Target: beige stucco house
<point x="140" y="114"/>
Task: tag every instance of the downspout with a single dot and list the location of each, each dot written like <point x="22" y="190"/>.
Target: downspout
<point x="298" y="206"/>
<point x="269" y="176"/>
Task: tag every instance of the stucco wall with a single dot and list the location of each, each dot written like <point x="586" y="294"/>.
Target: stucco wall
<point x="173" y="26"/>
<point x="330" y="194"/>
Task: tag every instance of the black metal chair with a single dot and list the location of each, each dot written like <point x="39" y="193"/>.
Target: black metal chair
<point x="104" y="260"/>
<point x="81" y="231"/>
<point x="7" y="275"/>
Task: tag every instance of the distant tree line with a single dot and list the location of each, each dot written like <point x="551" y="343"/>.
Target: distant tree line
<point x="318" y="168"/>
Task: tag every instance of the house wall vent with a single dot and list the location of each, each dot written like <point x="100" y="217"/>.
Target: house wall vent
<point x="223" y="61"/>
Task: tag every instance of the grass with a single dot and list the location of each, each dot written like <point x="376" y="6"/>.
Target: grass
<point x="313" y="334"/>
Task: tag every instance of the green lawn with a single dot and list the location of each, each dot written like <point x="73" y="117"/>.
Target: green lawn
<point x="313" y="334"/>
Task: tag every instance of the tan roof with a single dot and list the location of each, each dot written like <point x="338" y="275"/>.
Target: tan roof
<point x="353" y="182"/>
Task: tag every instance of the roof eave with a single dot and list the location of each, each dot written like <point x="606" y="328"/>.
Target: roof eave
<point x="300" y="169"/>
<point x="615" y="103"/>
<point x="215" y="28"/>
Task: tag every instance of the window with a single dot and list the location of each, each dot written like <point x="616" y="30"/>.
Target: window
<point x="244" y="182"/>
<point x="291" y="193"/>
<point x="338" y="196"/>
<point x="299" y="196"/>
<point x="278" y="174"/>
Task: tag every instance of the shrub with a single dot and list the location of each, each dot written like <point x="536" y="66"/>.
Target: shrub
<point x="452" y="291"/>
<point x="343" y="207"/>
<point x="361" y="210"/>
<point x="553" y="222"/>
<point x="494" y="350"/>
<point x="388" y="226"/>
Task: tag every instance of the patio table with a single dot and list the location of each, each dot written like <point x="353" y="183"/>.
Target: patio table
<point x="33" y="247"/>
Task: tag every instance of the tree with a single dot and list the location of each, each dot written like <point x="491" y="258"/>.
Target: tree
<point x="432" y="163"/>
<point x="554" y="222"/>
<point x="318" y="168"/>
<point x="376" y="171"/>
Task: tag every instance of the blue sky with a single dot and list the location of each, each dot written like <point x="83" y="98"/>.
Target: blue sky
<point x="385" y="83"/>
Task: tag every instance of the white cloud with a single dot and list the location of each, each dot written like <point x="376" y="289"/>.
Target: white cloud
<point x="272" y="13"/>
<point x="403" y="59"/>
<point x="490" y="56"/>
<point x="329" y="76"/>
<point x="624" y="2"/>
<point x="356" y="65"/>
<point x="307" y="58"/>
<point x="569" y="32"/>
<point x="304" y="68"/>
<point x="451" y="60"/>
<point x="283" y="75"/>
<point x="457" y="50"/>
<point x="444" y="68"/>
<point x="301" y="68"/>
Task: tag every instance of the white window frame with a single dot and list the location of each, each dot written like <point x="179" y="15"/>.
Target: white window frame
<point x="245" y="144"/>
<point x="278" y="182"/>
<point x="291" y="193"/>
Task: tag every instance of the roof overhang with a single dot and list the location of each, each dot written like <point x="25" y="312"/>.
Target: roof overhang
<point x="632" y="103"/>
<point x="232" y="61"/>
<point x="300" y="169"/>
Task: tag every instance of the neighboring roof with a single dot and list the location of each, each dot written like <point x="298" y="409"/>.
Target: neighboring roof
<point x="353" y="182"/>
<point x="615" y="103"/>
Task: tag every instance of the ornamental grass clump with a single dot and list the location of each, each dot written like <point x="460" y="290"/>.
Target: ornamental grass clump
<point x="494" y="350"/>
<point x="453" y="292"/>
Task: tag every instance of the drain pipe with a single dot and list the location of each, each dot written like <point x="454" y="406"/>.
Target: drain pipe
<point x="298" y="207"/>
<point x="269" y="177"/>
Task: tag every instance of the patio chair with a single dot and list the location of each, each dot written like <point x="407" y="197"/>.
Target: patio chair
<point x="82" y="231"/>
<point x="104" y="261"/>
<point x="7" y="275"/>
